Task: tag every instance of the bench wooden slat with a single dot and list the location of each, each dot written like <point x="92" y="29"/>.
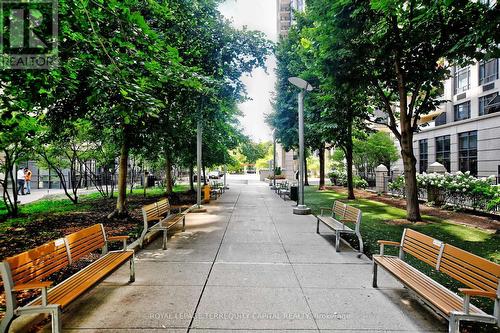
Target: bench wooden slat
<point x="67" y="291"/>
<point x="163" y="207"/>
<point x="38" y="263"/>
<point x="445" y="300"/>
<point x="86" y="241"/>
<point x="483" y="282"/>
<point x="61" y="289"/>
<point x="471" y="270"/>
<point x="422" y="246"/>
<point x="339" y="209"/>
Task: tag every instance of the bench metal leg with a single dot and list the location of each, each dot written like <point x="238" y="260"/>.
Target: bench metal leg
<point x="132" y="270"/>
<point x="337" y="241"/>
<point x="6" y="321"/>
<point x="360" y="245"/>
<point x="56" y="320"/>
<point x="374" y="282"/>
<point x="164" y="244"/>
<point x="317" y="226"/>
<point x="454" y="325"/>
<point x="183" y="223"/>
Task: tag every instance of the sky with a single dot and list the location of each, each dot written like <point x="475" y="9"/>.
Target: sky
<point x="256" y="15"/>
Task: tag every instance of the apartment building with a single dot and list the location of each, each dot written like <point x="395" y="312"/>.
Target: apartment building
<point x="285" y="9"/>
<point x="287" y="160"/>
<point x="464" y="134"/>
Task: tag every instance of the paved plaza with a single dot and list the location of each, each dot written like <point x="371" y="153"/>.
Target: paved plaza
<point x="249" y="264"/>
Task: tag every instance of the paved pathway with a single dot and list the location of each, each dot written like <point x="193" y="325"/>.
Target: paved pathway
<point x="248" y="264"/>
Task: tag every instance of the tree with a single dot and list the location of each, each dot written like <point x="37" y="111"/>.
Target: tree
<point x="397" y="48"/>
<point x="372" y="150"/>
<point x="254" y="151"/>
<point x="17" y="139"/>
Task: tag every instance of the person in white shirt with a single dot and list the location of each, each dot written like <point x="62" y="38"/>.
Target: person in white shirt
<point x="20" y="181"/>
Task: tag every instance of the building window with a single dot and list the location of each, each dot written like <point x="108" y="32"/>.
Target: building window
<point x="467" y="152"/>
<point x="484" y="101"/>
<point x="443" y="151"/>
<point x="462" y="111"/>
<point x="461" y="79"/>
<point x="440" y="120"/>
<point x="488" y="71"/>
<point x="423" y="155"/>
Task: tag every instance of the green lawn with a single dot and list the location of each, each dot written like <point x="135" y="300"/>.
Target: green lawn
<point x="374" y="226"/>
<point x="33" y="210"/>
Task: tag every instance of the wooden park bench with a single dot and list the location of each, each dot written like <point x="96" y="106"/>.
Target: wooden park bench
<point x="161" y="213"/>
<point x="338" y="215"/>
<point x="480" y="276"/>
<point x="280" y="186"/>
<point x="285" y="191"/>
<point x="31" y="269"/>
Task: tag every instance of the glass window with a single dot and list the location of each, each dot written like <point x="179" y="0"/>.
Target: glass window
<point x="423" y="155"/>
<point x="462" y="111"/>
<point x="467" y="152"/>
<point x="461" y="79"/>
<point x="483" y="101"/>
<point x="443" y="151"/>
<point x="488" y="71"/>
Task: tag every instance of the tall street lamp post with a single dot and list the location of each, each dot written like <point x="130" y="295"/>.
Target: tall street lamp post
<point x="304" y="86"/>
<point x="274" y="159"/>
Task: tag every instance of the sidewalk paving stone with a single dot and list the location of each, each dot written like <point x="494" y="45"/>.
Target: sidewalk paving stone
<point x="249" y="265"/>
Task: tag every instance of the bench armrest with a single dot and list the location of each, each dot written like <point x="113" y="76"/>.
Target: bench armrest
<point x="119" y="238"/>
<point x="326" y="208"/>
<point x="468" y="293"/>
<point x="478" y="292"/>
<point x="386" y="242"/>
<point x="35" y="285"/>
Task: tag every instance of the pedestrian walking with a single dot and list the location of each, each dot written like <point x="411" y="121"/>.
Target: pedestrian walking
<point x="20" y="181"/>
<point x="27" y="179"/>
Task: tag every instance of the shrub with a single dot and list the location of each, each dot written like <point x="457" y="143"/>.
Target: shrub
<point x="339" y="178"/>
<point x="459" y="189"/>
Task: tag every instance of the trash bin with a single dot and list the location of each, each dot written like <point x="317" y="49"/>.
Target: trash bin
<point x="151" y="181"/>
<point x="294" y="193"/>
<point x="206" y="193"/>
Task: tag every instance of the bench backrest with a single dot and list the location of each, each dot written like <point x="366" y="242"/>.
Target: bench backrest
<point x="163" y="207"/>
<point x="465" y="267"/>
<point x="422" y="247"/>
<point x="38" y="263"/>
<point x="150" y="213"/>
<point x="339" y="209"/>
<point x="86" y="241"/>
<point x="473" y="271"/>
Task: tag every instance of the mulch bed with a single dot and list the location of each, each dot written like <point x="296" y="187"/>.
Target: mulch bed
<point x="483" y="222"/>
<point x="53" y="226"/>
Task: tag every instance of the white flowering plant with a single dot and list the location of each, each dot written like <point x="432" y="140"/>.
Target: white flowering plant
<point x="460" y="189"/>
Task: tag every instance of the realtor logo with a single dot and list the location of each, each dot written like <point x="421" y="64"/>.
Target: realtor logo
<point x="28" y="34"/>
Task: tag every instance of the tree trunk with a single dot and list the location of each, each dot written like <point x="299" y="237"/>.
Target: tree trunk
<point x="168" y="177"/>
<point x="322" y="166"/>
<point x="204" y="175"/>
<point x="121" y="209"/>
<point x="348" y="157"/>
<point x="306" y="179"/>
<point x="410" y="171"/>
<point x="191" y="175"/>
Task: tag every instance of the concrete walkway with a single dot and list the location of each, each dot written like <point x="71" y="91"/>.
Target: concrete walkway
<point x="249" y="264"/>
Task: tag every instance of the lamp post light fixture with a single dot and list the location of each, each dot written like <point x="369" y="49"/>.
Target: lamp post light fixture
<point x="274" y="159"/>
<point x="304" y="86"/>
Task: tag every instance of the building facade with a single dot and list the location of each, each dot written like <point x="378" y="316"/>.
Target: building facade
<point x="285" y="10"/>
<point x="464" y="134"/>
<point x="287" y="160"/>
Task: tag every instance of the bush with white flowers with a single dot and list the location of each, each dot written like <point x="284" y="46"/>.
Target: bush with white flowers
<point x="459" y="189"/>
